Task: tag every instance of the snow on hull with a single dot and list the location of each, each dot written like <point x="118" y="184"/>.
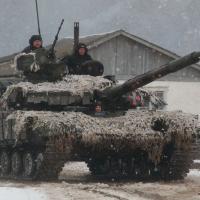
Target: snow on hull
<point x="119" y="134"/>
<point x="72" y="89"/>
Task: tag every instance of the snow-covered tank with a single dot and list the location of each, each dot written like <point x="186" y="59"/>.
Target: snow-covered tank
<point x="81" y="117"/>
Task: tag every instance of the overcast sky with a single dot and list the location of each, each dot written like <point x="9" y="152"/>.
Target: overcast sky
<point x="172" y="24"/>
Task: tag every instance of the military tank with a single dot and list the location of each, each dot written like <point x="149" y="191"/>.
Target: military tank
<point x="82" y="117"/>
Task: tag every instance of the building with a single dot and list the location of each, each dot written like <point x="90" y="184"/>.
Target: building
<point x="126" y="55"/>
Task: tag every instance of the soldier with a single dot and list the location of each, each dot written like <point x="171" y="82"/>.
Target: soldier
<point x="79" y="57"/>
<point x="35" y="43"/>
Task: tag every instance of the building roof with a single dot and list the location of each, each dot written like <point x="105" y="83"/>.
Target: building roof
<point x="65" y="46"/>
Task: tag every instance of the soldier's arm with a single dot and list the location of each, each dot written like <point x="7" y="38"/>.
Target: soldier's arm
<point x="69" y="61"/>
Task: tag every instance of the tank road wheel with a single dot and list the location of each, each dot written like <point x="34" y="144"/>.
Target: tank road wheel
<point x="29" y="165"/>
<point x="99" y="166"/>
<point x="5" y="163"/>
<point x="39" y="160"/>
<point x="178" y="166"/>
<point x="155" y="172"/>
<point x="16" y="163"/>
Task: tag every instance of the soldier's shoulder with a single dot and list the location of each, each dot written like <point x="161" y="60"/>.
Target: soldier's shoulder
<point x="89" y="57"/>
<point x="27" y="49"/>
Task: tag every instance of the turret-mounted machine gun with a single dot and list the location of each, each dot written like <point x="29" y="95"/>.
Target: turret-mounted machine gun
<point x="52" y="49"/>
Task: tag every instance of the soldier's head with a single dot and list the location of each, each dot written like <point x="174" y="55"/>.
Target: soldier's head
<point x="82" y="49"/>
<point x="35" y="41"/>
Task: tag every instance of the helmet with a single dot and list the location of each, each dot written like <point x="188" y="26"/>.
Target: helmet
<point x="82" y="45"/>
<point x="33" y="38"/>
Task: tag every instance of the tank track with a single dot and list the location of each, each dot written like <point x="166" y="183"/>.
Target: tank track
<point x="49" y="161"/>
<point x="177" y="166"/>
<point x="52" y="162"/>
<point x="172" y="167"/>
<point x="45" y="164"/>
<point x="137" y="168"/>
<point x="195" y="154"/>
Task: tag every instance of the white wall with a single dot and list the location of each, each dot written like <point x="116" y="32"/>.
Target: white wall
<point x="183" y="96"/>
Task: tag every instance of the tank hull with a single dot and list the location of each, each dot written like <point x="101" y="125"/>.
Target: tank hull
<point x="35" y="145"/>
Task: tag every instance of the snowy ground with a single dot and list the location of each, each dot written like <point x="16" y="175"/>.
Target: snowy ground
<point x="77" y="184"/>
<point x="11" y="192"/>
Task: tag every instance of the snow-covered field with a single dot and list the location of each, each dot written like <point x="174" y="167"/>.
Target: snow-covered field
<point x="13" y="193"/>
<point x="77" y="184"/>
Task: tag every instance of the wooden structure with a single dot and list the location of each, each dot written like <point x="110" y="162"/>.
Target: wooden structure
<point x="126" y="55"/>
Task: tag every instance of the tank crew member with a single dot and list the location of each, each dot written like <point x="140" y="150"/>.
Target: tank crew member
<point x="79" y="57"/>
<point x="35" y="42"/>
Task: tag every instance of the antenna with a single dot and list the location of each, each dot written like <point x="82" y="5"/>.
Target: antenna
<point x="76" y="34"/>
<point x="38" y="20"/>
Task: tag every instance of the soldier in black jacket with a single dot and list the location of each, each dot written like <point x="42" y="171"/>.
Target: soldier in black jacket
<point x="79" y="57"/>
<point x="35" y="42"/>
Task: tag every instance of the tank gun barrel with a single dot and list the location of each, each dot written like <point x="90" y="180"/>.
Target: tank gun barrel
<point x="148" y="77"/>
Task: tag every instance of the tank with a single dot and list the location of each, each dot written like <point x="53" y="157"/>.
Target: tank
<point x="86" y="118"/>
